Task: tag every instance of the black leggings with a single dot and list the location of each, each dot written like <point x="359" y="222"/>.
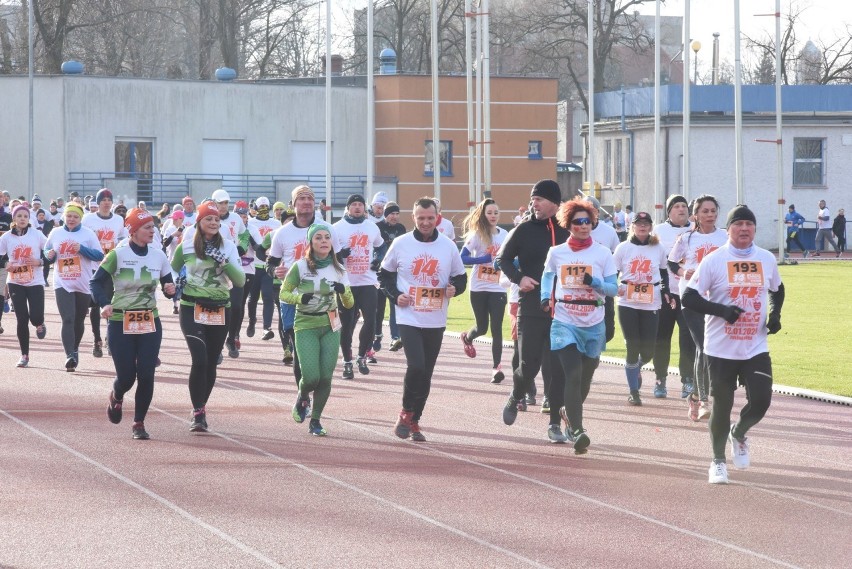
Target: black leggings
<point x="135" y="357"/>
<point x="572" y="386"/>
<point x="639" y="328"/>
<point x="29" y="309"/>
<point x="489" y="306"/>
<point x="95" y="312"/>
<point x="72" y="310"/>
<point x="695" y="323"/>
<point x="261" y="286"/>
<point x="796" y="241"/>
<point x="755" y="375"/>
<point x="421" y="347"/>
<point x="534" y="352"/>
<point x="663" y="350"/>
<point x="365" y="304"/>
<point x="238" y="307"/>
<point x="205" y="343"/>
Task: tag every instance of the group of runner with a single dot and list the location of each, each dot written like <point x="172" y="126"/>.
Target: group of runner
<point x="558" y="270"/>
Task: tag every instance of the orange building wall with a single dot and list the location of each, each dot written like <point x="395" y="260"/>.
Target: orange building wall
<point x="522" y="109"/>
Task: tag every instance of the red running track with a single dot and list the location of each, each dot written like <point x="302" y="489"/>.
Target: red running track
<point x="76" y="491"/>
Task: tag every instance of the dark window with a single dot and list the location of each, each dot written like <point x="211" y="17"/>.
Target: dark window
<point x="808" y="161"/>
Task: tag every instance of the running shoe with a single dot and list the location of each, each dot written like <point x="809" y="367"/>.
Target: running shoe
<point x="300" y="409"/>
<point x="510" y="410"/>
<point x="569" y="434"/>
<point x="839" y="253"/>
<point x="24" y="361"/>
<point x="529" y="400"/>
<point x="402" y="429"/>
<point x="114" y="409"/>
<point x="554" y="434"/>
<point x="694" y="406"/>
<point x="704" y="410"/>
<point x="545" y="405"/>
<point x="718" y="473"/>
<point x="288" y="356"/>
<point x="175" y="310"/>
<point x="316" y="429"/>
<point x="199" y="421"/>
<point x="816" y="254"/>
<point x="1" y="329"/>
<point x="362" y="366"/>
<point x="267" y="334"/>
<point x="740" y="451"/>
<point x="497" y="375"/>
<point x="347" y="371"/>
<point x="158" y="363"/>
<point x="371" y="357"/>
<point x="634" y="399"/>
<point x="71" y="363"/>
<point x="97" y="349"/>
<point x="416" y="435"/>
<point x="139" y="432"/>
<point x="522" y="404"/>
<point x="581" y="440"/>
<point x="804" y="254"/>
<point x="396" y="344"/>
<point x="233" y="352"/>
<point x="377" y="343"/>
<point x="41" y="331"/>
<point x="469" y="350"/>
<point x="237" y="343"/>
<point x="660" y="391"/>
<point x="687" y="388"/>
<point x="250" y="329"/>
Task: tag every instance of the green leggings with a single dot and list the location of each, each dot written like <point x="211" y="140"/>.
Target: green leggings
<point x="317" y="349"/>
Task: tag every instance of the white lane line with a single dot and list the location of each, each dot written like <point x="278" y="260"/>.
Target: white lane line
<point x="595" y="501"/>
<point x="148" y="492"/>
<point x="384" y="501"/>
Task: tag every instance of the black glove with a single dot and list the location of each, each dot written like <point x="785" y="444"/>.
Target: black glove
<point x="375" y="265"/>
<point x="343" y="253"/>
<point x="731" y="313"/>
<point x="306" y="298"/>
<point x="339" y="288"/>
<point x="545" y="305"/>
<point x="587" y="279"/>
<point x="773" y="323"/>
<point x="216" y="254"/>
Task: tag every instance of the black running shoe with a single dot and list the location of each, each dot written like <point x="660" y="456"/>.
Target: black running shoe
<point x="581" y="440"/>
<point x="139" y="432"/>
<point x="98" y="350"/>
<point x="316" y="429"/>
<point x="634" y="399"/>
<point x="71" y="363"/>
<point x="114" y="409"/>
<point x="510" y="411"/>
<point x="497" y="375"/>
<point x="396" y="344"/>
<point x="377" y="343"/>
<point x="233" y="352"/>
<point x="250" y="329"/>
<point x="41" y="331"/>
<point x="267" y="334"/>
<point x="347" y="371"/>
<point x="362" y="366"/>
<point x="199" y="421"/>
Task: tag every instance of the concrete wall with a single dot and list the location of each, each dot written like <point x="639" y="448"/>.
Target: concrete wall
<point x="79" y="118"/>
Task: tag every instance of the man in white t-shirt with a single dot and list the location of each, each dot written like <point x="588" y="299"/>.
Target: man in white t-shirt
<point x="745" y="296"/>
<point x="823" y="233"/>
<point x="444" y="225"/>
<point x="421" y="272"/>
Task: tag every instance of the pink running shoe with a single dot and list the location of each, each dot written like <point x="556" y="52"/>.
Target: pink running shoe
<point x="469" y="350"/>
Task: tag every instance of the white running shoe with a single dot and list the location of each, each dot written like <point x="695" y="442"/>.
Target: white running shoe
<point x="718" y="473"/>
<point x="739" y="450"/>
<point x="704" y="410"/>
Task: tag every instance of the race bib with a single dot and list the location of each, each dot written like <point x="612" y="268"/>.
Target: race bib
<point x="139" y="321"/>
<point x="642" y="293"/>
<point x="487" y="273"/>
<point x="21" y="274"/>
<point x="745" y="273"/>
<point x="426" y="298"/>
<point x="210" y="316"/>
<point x="571" y="276"/>
<point x="334" y="320"/>
<point x="70" y="268"/>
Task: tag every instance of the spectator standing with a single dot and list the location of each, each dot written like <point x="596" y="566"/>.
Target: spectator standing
<point x="824" y="231"/>
<point x="839" y="229"/>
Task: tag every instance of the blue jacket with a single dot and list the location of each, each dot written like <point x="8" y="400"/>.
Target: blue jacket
<point x="794" y="221"/>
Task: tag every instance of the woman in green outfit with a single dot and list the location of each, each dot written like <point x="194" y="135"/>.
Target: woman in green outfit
<point x="212" y="266"/>
<point x="312" y="285"/>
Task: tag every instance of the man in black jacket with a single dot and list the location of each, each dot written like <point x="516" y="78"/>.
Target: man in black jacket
<point x="528" y="244"/>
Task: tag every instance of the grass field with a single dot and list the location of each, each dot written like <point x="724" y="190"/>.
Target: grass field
<point x="811" y="351"/>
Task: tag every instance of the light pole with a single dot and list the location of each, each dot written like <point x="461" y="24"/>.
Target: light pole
<point x="695" y="45"/>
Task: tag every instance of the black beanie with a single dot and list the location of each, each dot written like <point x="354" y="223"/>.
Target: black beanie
<point x="673" y="199"/>
<point x="741" y="213"/>
<point x="355" y="198"/>
<point x="391" y="208"/>
<point x="547" y="189"/>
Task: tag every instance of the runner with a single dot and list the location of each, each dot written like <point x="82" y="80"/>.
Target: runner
<point x="483" y="238"/>
<point x="641" y="261"/>
<point x="528" y="245"/>
<point x="745" y="299"/>
<point x="261" y="284"/>
<point x="583" y="273"/>
<point x="24" y="245"/>
<point x="76" y="251"/>
<point x="212" y="264"/>
<point x="444" y="225"/>
<point x="421" y="272"/>
<point x="390" y="228"/>
<point x="5" y="225"/>
<point x="313" y="284"/>
<point x="356" y="238"/>
<point x="109" y="227"/>
<point x="689" y="249"/>
<point x="251" y="238"/>
<point x="135" y="331"/>
<point x="173" y="237"/>
<point x="377" y="207"/>
<point x="677" y="222"/>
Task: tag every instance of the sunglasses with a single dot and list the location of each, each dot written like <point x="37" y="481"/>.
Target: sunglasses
<point x="581" y="221"/>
